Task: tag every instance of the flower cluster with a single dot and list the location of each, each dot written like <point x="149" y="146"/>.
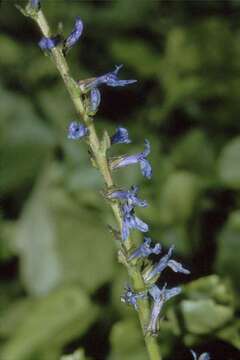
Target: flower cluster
<point x="127" y="199"/>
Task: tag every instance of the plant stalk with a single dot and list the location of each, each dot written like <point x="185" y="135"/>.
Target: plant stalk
<point x="102" y="164"/>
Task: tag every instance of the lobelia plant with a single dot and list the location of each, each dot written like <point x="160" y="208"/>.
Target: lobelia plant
<point x="142" y="292"/>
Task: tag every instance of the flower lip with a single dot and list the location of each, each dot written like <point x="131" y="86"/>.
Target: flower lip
<point x="109" y="79"/>
<point x="127" y="195"/>
<point x="77" y="130"/>
<point x="48" y="43"/>
<point x="140" y="158"/>
<point x="121" y="136"/>
<point x="160" y="296"/>
<point x="163" y="263"/>
<point x="131" y="221"/>
<point x="145" y="250"/>
<point x="74" y="36"/>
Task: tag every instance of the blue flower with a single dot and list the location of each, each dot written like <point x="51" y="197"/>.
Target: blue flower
<point x="120" y="136"/>
<point x="129" y="195"/>
<point x="109" y="79"/>
<point x="145" y="250"/>
<point x="131" y="298"/>
<point x="204" y="356"/>
<point x="77" y="131"/>
<point x="94" y="101"/>
<point x="35" y="4"/>
<point x="71" y="40"/>
<point x="160" y="296"/>
<point x="131" y="221"/>
<point x="164" y="262"/>
<point x="133" y="159"/>
<point x="48" y="43"/>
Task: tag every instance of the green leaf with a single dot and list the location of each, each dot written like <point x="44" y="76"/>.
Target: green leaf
<point x="209" y="306"/>
<point x="61" y="242"/>
<point x="25" y="142"/>
<point x="77" y="355"/>
<point x="228" y="168"/>
<point x="11" y="50"/>
<point x="227" y="258"/>
<point x="231" y="334"/>
<point x="204" y="316"/>
<point x="124" y="346"/>
<point x="178" y="196"/>
<point x="210" y="287"/>
<point x="137" y="54"/>
<point x="194" y="153"/>
<point x="52" y="321"/>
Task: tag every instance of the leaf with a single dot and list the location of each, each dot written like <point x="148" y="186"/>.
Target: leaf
<point x="231" y="334"/>
<point x="178" y="196"/>
<point x="213" y="287"/>
<point x="137" y="54"/>
<point x="11" y="50"/>
<point x="204" y="316"/>
<point x="124" y="346"/>
<point x="228" y="167"/>
<point x="36" y="242"/>
<point x="25" y="142"/>
<point x="208" y="307"/>
<point x="227" y="257"/>
<point x="77" y="355"/>
<point x="60" y="241"/>
<point x="52" y="321"/>
<point x="194" y="153"/>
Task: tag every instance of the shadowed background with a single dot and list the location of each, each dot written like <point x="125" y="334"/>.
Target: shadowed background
<point x="60" y="281"/>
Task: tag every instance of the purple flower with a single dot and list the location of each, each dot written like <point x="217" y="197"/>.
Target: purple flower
<point x="71" y="40"/>
<point x="77" y="131"/>
<point x="131" y="298"/>
<point x="109" y="79"/>
<point x="35" y="4"/>
<point x="145" y="250"/>
<point x="162" y="264"/>
<point x="133" y="159"/>
<point x="48" y="43"/>
<point x="160" y="296"/>
<point x="94" y="101"/>
<point x="131" y="221"/>
<point x="120" y="136"/>
<point x="129" y="195"/>
<point x="204" y="356"/>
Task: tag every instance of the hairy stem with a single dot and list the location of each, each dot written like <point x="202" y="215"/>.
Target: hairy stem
<point x="102" y="164"/>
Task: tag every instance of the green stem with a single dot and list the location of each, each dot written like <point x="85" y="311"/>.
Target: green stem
<point x="102" y="164"/>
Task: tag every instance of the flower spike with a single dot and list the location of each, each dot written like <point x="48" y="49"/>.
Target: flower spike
<point x="145" y="250"/>
<point x="74" y="36"/>
<point x="131" y="221"/>
<point x="134" y="159"/>
<point x="120" y="136"/>
<point x="129" y="195"/>
<point x="77" y="131"/>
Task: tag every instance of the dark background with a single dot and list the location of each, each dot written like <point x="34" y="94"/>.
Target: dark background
<point x="60" y="282"/>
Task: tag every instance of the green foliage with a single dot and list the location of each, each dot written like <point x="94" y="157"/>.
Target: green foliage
<point x="54" y="241"/>
<point x="67" y="312"/>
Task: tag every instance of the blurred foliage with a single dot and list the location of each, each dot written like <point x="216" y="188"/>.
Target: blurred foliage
<point x="60" y="281"/>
